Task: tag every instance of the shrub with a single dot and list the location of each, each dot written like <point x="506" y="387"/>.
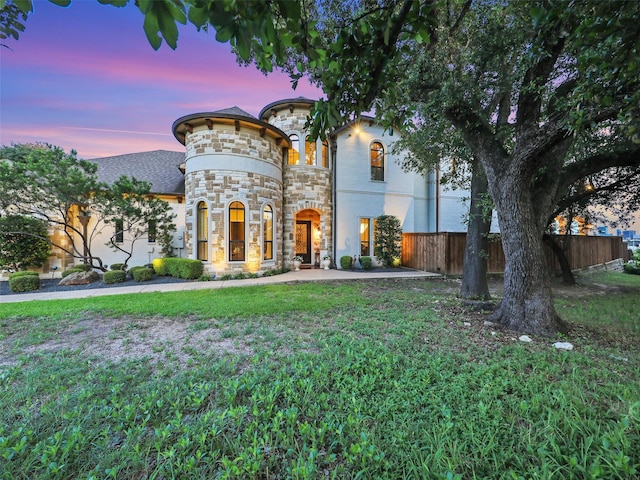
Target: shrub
<point x="24" y="273"/>
<point x="345" y="262"/>
<point x="68" y="272"/>
<point x="83" y="267"/>
<point x="226" y="276"/>
<point x="633" y="268"/>
<point x="118" y="266"/>
<point x="178" y="267"/>
<point x="205" y="278"/>
<point x="141" y="274"/>
<point x="27" y="246"/>
<point x="366" y="263"/>
<point x="388" y="239"/>
<point x="114" y="276"/>
<point x="239" y="276"/>
<point x="24" y="283"/>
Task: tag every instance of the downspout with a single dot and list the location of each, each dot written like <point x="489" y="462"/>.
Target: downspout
<point x="334" y="202"/>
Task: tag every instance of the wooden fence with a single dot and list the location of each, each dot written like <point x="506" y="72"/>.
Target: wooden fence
<point x="444" y="252"/>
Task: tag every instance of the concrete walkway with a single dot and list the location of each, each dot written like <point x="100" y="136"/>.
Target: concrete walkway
<point x="305" y="275"/>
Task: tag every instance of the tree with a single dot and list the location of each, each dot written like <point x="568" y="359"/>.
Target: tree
<point x="43" y="181"/>
<point x="387" y="237"/>
<point x="23" y="242"/>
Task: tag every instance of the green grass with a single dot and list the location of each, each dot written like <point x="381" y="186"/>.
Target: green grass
<point x="378" y="379"/>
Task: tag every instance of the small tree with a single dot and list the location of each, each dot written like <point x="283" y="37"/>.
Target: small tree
<point x="43" y="181"/>
<point x="388" y="239"/>
<point x="22" y="242"/>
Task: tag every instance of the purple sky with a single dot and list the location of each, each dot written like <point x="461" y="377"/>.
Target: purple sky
<point x="85" y="78"/>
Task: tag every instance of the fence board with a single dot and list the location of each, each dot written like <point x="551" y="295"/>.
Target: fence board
<point x="444" y="252"/>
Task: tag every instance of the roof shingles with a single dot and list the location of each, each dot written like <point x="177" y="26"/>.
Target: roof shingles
<point x="159" y="168"/>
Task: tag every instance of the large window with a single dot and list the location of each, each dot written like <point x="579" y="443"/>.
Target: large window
<point x="294" y="151"/>
<point x="119" y="231"/>
<point x="202" y="231"/>
<point x="377" y="162"/>
<point x="236" y="232"/>
<point x="267" y="233"/>
<point x="310" y="152"/>
<point x="325" y="154"/>
<point x="365" y="237"/>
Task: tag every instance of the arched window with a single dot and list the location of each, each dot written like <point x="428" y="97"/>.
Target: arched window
<point x="310" y="151"/>
<point x="267" y="233"/>
<point x="236" y="232"/>
<point x="294" y="151"/>
<point x="202" y="231"/>
<point x="325" y="154"/>
<point x="377" y="162"/>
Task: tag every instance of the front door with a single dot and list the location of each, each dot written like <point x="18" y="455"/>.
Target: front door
<point x="303" y="240"/>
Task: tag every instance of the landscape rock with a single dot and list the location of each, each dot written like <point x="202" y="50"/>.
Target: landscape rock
<point x="525" y="338"/>
<point x="563" y="346"/>
<point x="80" y="278"/>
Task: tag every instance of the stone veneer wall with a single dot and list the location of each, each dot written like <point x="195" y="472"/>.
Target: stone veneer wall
<point x="307" y="187"/>
<point x="218" y="184"/>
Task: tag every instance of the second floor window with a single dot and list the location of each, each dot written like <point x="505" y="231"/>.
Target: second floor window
<point x="310" y="152"/>
<point x="294" y="150"/>
<point x="377" y="162"/>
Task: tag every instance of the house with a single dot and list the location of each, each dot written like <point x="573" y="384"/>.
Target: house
<point x="250" y="193"/>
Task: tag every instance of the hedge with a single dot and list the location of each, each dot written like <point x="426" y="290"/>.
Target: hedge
<point x="366" y="263"/>
<point x="345" y="262"/>
<point x="114" y="276"/>
<point x="24" y="273"/>
<point x="141" y="274"/>
<point x="118" y="266"/>
<point x="24" y="283"/>
<point x="178" y="267"/>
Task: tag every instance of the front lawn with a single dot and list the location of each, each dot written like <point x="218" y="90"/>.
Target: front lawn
<point x="360" y="379"/>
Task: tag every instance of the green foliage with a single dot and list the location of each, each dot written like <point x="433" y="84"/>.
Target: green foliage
<point x="178" y="267"/>
<point x="205" y="278"/>
<point x="26" y="248"/>
<point x="24" y="273"/>
<point x="633" y="266"/>
<point x="387" y="239"/>
<point x="366" y="262"/>
<point x="239" y="276"/>
<point x="226" y="276"/>
<point x="114" y="276"/>
<point x="25" y="282"/>
<point x="69" y="271"/>
<point x="118" y="266"/>
<point x="141" y="274"/>
<point x="346" y="262"/>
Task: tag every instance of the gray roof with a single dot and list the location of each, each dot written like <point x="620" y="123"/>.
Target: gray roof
<point x="159" y="167"/>
<point x="234" y="111"/>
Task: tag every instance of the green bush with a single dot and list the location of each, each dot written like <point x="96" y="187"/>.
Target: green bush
<point x="141" y="274"/>
<point x="387" y="237"/>
<point x="205" y="278"/>
<point x="24" y="283"/>
<point x="24" y="273"/>
<point x="114" y="276"/>
<point x="226" y="276"/>
<point x="68" y="272"/>
<point x="633" y="268"/>
<point x="118" y="266"/>
<point x="239" y="276"/>
<point x="178" y="267"/>
<point x="366" y="263"/>
<point x="345" y="262"/>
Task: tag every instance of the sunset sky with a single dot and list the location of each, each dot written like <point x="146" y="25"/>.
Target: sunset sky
<point x="85" y="78"/>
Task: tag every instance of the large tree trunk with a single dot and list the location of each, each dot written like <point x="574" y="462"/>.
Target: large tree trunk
<point x="474" y="269"/>
<point x="527" y="303"/>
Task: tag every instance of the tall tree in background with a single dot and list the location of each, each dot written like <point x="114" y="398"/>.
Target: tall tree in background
<point x="519" y="81"/>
